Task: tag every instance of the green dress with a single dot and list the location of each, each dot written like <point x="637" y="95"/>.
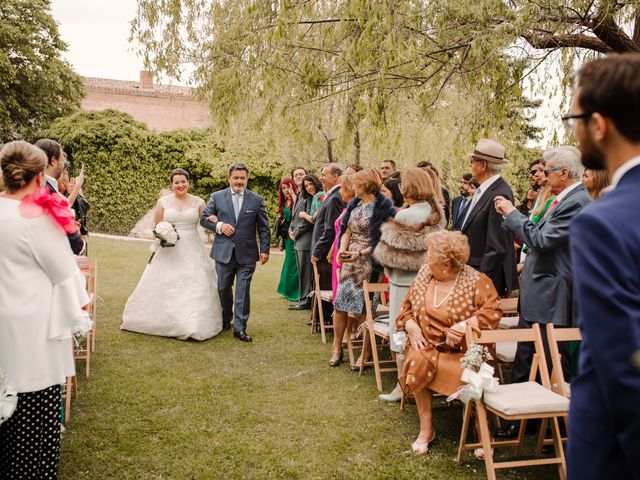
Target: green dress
<point x="289" y="286"/>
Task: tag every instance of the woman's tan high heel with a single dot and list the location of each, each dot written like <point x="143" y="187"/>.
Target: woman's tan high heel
<point x="422" y="448"/>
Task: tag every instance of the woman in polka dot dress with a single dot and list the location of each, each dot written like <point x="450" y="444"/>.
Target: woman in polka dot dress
<point x="444" y="296"/>
<point x="41" y="297"/>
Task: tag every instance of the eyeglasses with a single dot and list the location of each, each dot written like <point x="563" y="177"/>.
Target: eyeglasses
<point x="547" y="170"/>
<point x="569" y="121"/>
<point x="533" y="172"/>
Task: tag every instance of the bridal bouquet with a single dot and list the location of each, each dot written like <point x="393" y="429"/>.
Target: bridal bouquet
<point x="477" y="373"/>
<point x="167" y="236"/>
<point x="8" y="398"/>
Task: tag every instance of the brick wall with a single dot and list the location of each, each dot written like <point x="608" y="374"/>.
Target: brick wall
<point x="159" y="112"/>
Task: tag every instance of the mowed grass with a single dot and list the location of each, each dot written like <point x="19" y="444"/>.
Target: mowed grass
<point x="159" y="408"/>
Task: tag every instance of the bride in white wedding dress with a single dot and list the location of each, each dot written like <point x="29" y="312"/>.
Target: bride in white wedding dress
<point x="177" y="295"/>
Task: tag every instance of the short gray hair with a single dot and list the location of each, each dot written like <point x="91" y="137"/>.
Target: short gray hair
<point x="567" y="157"/>
<point x="238" y="166"/>
<point x="493" y="167"/>
<point x="335" y="169"/>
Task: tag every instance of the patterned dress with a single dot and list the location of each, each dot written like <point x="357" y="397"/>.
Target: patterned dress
<point x="473" y="294"/>
<point x="350" y="295"/>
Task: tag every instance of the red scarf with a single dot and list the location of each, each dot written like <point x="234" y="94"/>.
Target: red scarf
<point x="42" y="201"/>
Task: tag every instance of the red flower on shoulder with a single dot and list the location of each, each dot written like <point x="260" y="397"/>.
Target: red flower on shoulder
<point x="41" y="202"/>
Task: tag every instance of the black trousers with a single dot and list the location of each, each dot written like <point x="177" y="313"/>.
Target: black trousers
<point x="524" y="355"/>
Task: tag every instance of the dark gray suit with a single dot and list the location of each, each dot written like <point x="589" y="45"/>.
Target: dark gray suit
<point x="236" y="256"/>
<point x="302" y="232"/>
<point x="546" y="285"/>
<point x="324" y="234"/>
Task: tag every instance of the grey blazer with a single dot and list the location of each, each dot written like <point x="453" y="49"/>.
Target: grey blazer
<point x="252" y="222"/>
<point x="546" y="284"/>
<point x="301" y="229"/>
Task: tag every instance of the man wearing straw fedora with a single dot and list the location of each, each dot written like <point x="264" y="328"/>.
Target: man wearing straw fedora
<point x="492" y="250"/>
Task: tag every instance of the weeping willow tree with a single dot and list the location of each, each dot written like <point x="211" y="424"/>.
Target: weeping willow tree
<point x="348" y="73"/>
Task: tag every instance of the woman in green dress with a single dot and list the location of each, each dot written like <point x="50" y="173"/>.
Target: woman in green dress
<point x="288" y="286"/>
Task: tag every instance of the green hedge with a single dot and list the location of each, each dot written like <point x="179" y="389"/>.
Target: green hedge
<point x="126" y="165"/>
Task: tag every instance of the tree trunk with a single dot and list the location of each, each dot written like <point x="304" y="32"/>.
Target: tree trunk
<point x="356" y="143"/>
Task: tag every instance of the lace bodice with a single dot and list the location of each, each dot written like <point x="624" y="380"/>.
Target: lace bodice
<point x="183" y="218"/>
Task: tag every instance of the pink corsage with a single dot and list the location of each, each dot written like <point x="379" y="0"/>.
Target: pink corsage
<point x="42" y="201"/>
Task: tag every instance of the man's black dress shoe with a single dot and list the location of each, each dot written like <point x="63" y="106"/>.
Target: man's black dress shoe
<point x="300" y="306"/>
<point x="242" y="336"/>
<point x="510" y="430"/>
<point x="226" y="326"/>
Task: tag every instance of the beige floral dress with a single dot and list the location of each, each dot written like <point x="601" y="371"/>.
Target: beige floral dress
<point x="438" y="366"/>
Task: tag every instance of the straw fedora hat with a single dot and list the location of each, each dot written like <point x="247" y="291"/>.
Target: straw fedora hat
<point x="489" y="151"/>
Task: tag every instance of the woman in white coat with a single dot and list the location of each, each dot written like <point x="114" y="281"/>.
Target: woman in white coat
<point x="42" y="293"/>
<point x="402" y="248"/>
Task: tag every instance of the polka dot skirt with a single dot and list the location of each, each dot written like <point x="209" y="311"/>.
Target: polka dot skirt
<point x="30" y="439"/>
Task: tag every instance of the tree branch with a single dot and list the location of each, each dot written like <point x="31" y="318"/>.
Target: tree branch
<point x="606" y="29"/>
<point x="549" y="41"/>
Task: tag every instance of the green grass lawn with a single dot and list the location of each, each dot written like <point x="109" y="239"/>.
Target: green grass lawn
<point x="159" y="408"/>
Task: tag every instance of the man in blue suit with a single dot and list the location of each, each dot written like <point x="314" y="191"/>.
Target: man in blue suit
<point x="461" y="203"/>
<point x="604" y="416"/>
<point x="239" y="216"/>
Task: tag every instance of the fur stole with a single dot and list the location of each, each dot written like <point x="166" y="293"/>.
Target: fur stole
<point x="403" y="246"/>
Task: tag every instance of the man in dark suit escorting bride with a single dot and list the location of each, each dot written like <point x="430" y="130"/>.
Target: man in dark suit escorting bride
<point x="237" y="215"/>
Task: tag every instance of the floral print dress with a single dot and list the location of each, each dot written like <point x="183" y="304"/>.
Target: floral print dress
<point x="350" y="295"/>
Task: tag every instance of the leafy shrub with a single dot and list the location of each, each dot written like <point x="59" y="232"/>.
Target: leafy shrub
<point x="126" y="165"/>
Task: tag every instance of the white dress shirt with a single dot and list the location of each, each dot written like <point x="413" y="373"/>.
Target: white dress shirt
<point x="622" y="169"/>
<point x="484" y="186"/>
<point x="240" y="196"/>
<point x="42" y="293"/>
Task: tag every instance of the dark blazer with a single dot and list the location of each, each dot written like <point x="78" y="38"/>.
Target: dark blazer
<point x="252" y="220"/>
<point x="604" y="438"/>
<point x="457" y="214"/>
<point x="300" y="228"/>
<point x="447" y="204"/>
<point x="546" y="284"/>
<point x="324" y="230"/>
<point x="75" y="239"/>
<point x="492" y="250"/>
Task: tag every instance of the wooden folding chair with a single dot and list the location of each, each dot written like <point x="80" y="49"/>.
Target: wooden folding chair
<point x="519" y="401"/>
<point x="558" y="385"/>
<point x="92" y="289"/>
<point x="69" y="389"/>
<point x="319" y="296"/>
<point x="372" y="330"/>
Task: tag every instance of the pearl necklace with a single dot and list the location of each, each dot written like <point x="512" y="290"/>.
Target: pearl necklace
<point x="437" y="304"/>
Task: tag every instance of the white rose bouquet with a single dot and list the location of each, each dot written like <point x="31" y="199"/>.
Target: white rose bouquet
<point x="8" y="398"/>
<point x="166" y="235"/>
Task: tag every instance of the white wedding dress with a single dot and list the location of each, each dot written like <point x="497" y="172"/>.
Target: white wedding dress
<point x="177" y="295"/>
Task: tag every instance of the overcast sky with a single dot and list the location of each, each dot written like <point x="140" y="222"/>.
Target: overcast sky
<point x="97" y="32"/>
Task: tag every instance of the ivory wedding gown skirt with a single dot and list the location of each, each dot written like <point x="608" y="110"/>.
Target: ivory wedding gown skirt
<point x="177" y="295"/>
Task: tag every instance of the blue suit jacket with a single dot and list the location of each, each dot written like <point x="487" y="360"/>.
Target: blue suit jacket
<point x="252" y="220"/>
<point x="546" y="284"/>
<point x="605" y="396"/>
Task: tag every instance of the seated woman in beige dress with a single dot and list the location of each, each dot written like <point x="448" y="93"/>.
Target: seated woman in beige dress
<point x="445" y="295"/>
